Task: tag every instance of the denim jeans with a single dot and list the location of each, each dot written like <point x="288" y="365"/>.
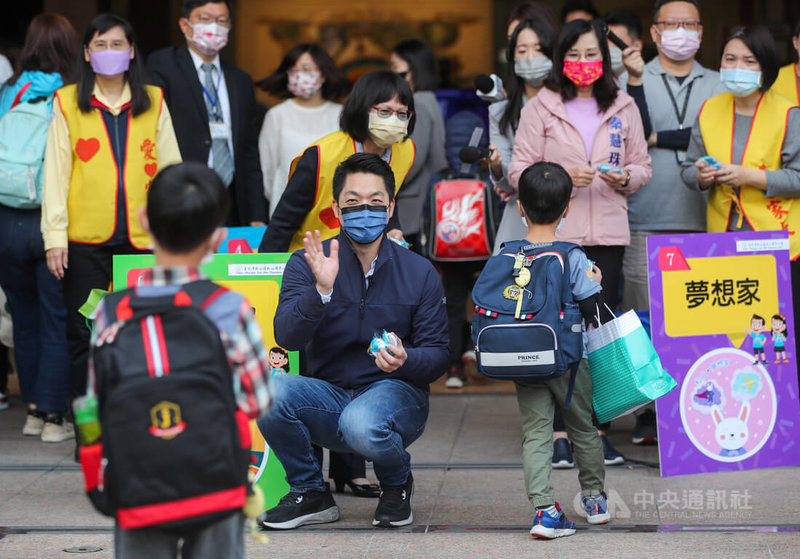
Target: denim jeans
<point x="37" y="310"/>
<point x="378" y="422"/>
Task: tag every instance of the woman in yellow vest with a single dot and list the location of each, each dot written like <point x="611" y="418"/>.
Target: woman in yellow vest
<point x="377" y="118"/>
<point x="753" y="135"/>
<point x="109" y="135"/>
<point x="788" y="82"/>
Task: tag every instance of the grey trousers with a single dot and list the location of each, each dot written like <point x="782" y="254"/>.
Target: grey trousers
<point x="224" y="538"/>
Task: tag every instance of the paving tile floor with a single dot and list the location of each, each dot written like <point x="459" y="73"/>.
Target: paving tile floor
<point x="469" y="501"/>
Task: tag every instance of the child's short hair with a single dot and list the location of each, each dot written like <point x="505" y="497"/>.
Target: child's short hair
<point x="186" y="203"/>
<point x="544" y="192"/>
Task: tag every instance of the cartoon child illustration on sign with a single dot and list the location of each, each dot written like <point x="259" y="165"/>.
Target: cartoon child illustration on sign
<point x="279" y="361"/>
<point x="757" y="328"/>
<point x="779" y="337"/>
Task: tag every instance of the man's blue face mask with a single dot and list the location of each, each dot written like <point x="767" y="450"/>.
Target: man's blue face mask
<point x="364" y="223"/>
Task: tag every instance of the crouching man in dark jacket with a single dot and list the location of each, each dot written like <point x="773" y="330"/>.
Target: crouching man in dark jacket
<point x="335" y="296"/>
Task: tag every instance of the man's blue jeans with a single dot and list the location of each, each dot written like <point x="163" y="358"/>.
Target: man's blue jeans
<point x="378" y="422"/>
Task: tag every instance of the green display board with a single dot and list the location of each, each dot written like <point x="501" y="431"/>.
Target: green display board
<point x="257" y="277"/>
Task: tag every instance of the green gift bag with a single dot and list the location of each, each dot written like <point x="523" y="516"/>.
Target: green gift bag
<point x="626" y="370"/>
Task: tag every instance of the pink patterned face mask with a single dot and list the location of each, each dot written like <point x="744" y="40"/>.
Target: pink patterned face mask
<point x="583" y="73"/>
<point x="304" y="84"/>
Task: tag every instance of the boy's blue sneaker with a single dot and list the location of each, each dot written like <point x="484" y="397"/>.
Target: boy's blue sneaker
<point x="596" y="509"/>
<point x="551" y="522"/>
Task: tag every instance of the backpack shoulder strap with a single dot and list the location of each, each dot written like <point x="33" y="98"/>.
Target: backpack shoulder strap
<point x="200" y="294"/>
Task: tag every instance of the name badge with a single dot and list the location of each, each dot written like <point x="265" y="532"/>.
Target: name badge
<point x="219" y="130"/>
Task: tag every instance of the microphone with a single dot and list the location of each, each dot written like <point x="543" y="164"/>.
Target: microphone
<point x="489" y="88"/>
<point x="471" y="154"/>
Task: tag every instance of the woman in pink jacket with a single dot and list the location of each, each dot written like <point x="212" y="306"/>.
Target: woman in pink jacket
<point x="582" y="121"/>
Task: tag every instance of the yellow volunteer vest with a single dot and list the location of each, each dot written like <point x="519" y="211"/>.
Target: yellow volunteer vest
<point x="763" y="151"/>
<point x="333" y="149"/>
<point x="786" y="84"/>
<point x="92" y="199"/>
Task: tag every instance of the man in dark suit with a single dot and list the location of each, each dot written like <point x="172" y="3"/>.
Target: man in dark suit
<point x="213" y="107"/>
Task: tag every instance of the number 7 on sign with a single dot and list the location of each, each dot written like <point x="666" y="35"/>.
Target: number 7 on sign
<point x="671" y="259"/>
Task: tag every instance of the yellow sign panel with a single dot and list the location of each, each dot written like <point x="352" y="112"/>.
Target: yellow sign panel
<point x="720" y="295"/>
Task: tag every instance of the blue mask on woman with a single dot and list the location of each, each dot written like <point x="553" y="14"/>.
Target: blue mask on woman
<point x="740" y="82"/>
<point x="364" y="223"/>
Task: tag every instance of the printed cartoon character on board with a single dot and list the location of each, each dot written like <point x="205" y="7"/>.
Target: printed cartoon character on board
<point x="279" y="361"/>
<point x="757" y="328"/>
<point x="779" y="337"/>
<point x="732" y="432"/>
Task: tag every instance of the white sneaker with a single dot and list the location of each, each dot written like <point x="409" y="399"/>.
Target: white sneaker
<point x="57" y="433"/>
<point x="3" y="401"/>
<point x="33" y="425"/>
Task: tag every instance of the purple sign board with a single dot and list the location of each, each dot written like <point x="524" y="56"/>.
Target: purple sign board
<point x="721" y="315"/>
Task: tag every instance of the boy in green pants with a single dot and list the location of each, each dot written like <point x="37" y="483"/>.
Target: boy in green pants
<point x="544" y="194"/>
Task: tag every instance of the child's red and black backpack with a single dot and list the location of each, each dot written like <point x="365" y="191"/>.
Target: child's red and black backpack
<point x="175" y="450"/>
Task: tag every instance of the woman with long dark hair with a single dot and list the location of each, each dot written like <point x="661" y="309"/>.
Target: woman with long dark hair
<point x="530" y="56"/>
<point x="310" y="81"/>
<point x="582" y="121"/>
<point x="109" y="136"/>
<point x="47" y="62"/>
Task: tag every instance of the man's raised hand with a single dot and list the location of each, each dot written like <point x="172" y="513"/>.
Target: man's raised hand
<point x="324" y="268"/>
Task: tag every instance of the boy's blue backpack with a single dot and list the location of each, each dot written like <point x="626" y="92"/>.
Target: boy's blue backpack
<point x="539" y="338"/>
<point x="23" y="136"/>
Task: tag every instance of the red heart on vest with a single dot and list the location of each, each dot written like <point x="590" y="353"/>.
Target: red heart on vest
<point x="151" y="169"/>
<point x="327" y="217"/>
<point x="87" y="148"/>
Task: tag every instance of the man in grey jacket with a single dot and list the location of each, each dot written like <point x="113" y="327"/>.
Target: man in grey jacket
<point x="675" y="86"/>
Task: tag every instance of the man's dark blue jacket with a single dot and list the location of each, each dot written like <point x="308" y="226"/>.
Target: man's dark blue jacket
<point x="404" y="296"/>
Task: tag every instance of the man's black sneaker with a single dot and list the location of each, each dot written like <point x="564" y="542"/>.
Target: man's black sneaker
<point x="297" y="509"/>
<point x="394" y="505"/>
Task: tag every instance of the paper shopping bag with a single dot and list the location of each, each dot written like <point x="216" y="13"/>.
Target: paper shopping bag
<point x="626" y="370"/>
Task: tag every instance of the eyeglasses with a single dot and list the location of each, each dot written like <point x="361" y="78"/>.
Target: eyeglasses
<point x="383" y="112"/>
<point x="221" y="20"/>
<point x="672" y="24"/>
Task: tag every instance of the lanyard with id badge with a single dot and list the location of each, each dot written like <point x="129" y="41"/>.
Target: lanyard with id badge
<point x="217" y="127"/>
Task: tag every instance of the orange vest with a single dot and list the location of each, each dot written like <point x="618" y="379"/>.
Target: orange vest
<point x="333" y="149"/>
<point x="92" y="199"/>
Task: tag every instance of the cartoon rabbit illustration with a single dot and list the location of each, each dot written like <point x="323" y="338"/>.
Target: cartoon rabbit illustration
<point x="731" y="432"/>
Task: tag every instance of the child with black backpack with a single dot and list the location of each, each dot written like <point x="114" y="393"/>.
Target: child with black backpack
<point x="178" y="366"/>
<point x="529" y="301"/>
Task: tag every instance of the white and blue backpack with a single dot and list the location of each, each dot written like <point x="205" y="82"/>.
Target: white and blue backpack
<point x="527" y="326"/>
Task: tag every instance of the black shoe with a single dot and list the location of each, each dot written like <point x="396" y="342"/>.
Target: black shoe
<point x="297" y="509"/>
<point x="562" y="454"/>
<point x="611" y="456"/>
<point x="367" y="490"/>
<point x="394" y="506"/>
<point x="645" y="431"/>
